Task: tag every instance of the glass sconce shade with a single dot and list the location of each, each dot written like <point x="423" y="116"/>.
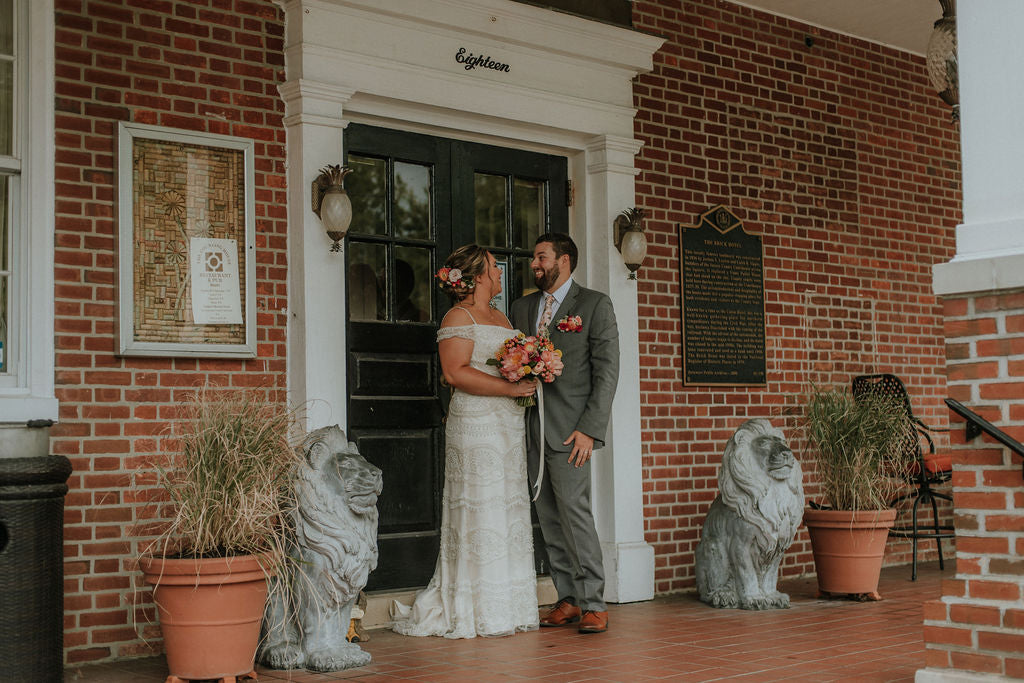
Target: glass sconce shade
<point x="630" y="238"/>
<point x="336" y="214"/>
<point x="634" y="250"/>
<point x="942" y="57"/>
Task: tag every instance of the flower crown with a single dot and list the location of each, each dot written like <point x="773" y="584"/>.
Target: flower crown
<point x="453" y="277"/>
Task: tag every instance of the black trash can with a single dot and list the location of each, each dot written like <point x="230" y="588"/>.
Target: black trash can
<point x="32" y="567"/>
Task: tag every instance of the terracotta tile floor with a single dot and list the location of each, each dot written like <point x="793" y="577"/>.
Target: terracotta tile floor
<point x="675" y="638"/>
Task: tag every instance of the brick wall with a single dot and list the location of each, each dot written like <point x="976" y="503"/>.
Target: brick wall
<point x="196" y="65"/>
<point x="978" y="624"/>
<point x="845" y="162"/>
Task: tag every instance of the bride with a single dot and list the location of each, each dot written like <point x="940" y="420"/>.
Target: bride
<point x="484" y="583"/>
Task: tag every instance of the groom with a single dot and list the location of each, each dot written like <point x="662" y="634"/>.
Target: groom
<point x="577" y="406"/>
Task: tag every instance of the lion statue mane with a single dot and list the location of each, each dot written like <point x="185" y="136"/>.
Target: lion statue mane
<point x="335" y="541"/>
<point x="752" y="521"/>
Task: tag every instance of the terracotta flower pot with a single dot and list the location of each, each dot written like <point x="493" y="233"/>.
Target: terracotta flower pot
<point x="210" y="613"/>
<point x="848" y="548"/>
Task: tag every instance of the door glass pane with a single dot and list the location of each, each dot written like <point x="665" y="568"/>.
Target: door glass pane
<point x="4" y="347"/>
<point x="6" y="108"/>
<point x="6" y="27"/>
<point x="5" y="212"/>
<point x="524" y="278"/>
<point x="412" y="284"/>
<point x="528" y="212"/>
<point x="367" y="279"/>
<point x="490" y="210"/>
<point x="412" y="213"/>
<point x="367" y="188"/>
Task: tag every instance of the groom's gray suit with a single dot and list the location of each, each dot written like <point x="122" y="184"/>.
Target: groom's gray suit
<point x="580" y="399"/>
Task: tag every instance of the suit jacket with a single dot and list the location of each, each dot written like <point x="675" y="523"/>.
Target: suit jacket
<point x="581" y="397"/>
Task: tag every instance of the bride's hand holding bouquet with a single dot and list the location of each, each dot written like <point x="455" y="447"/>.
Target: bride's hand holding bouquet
<point x="528" y="358"/>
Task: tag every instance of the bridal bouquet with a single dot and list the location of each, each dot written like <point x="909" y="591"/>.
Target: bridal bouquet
<point x="522" y="357"/>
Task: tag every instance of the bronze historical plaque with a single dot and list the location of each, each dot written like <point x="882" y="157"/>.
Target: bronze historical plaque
<point x="722" y="275"/>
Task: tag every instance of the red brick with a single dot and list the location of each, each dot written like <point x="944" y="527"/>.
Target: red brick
<point x="994" y="590"/>
<point x="1013" y="668"/>
<point x="982" y="545"/>
<point x="935" y="610"/>
<point x="976" y="662"/>
<point x="936" y="659"/>
<point x="945" y="635"/>
<point x="966" y="500"/>
<point x="1004" y="642"/>
<point x="974" y="615"/>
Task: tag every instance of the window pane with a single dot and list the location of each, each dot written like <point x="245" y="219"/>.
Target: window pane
<point x="491" y="210"/>
<point x="367" y="278"/>
<point x="524" y="279"/>
<point x="412" y="213"/>
<point x="528" y="211"/>
<point x="412" y="284"/>
<point x="6" y="27"/>
<point x="6" y="108"/>
<point x="4" y="346"/>
<point x="367" y="188"/>
<point x="5" y="216"/>
<point x="5" y="212"/>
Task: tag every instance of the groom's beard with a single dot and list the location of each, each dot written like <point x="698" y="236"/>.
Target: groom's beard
<point x="547" y="278"/>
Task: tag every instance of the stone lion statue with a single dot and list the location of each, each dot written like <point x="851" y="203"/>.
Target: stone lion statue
<point x="336" y="542"/>
<point x="752" y="521"/>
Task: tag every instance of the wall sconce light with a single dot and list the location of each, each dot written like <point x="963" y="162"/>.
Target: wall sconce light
<point x="331" y="203"/>
<point x="942" y="60"/>
<point x="630" y="238"/>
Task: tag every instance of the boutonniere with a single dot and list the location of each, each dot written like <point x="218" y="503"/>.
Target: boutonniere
<point x="570" y="323"/>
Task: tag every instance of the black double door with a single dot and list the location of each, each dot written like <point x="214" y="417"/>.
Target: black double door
<point x="415" y="199"/>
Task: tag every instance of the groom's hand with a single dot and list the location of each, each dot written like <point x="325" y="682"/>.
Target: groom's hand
<point x="582" y="448"/>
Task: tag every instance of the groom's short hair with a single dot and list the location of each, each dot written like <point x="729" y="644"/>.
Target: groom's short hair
<point x="561" y="244"/>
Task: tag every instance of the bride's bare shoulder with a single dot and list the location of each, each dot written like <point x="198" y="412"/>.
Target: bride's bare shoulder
<point x="456" y="317"/>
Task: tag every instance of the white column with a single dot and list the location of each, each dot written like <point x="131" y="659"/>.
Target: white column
<point x="990" y="241"/>
<point x="316" y="276"/>
<point x="617" y="471"/>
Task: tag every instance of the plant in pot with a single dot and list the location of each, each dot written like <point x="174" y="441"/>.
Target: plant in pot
<point x="857" y="447"/>
<point x="228" y="491"/>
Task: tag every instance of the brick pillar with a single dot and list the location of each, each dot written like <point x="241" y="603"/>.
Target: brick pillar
<point x="978" y="624"/>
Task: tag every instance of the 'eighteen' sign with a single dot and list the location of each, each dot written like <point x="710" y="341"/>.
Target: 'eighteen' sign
<point x="472" y="61"/>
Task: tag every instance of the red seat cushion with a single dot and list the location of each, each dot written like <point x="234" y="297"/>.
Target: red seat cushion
<point x="938" y="463"/>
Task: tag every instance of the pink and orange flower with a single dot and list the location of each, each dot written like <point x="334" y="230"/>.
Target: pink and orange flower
<point x="522" y="357"/>
<point x="453" y="276"/>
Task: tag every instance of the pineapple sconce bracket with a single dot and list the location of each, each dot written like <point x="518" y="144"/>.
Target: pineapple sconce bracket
<point x="331" y="203"/>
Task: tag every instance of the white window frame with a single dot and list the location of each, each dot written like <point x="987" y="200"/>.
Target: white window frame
<point x="27" y="392"/>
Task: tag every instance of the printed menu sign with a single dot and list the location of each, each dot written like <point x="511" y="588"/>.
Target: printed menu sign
<point x="216" y="295"/>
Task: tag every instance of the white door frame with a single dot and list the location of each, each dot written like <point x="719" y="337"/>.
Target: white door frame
<point x="565" y="88"/>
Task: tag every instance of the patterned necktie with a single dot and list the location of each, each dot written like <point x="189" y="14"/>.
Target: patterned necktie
<point x="545" y="318"/>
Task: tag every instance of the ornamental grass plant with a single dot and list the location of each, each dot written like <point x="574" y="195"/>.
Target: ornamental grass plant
<point x="859" y="447"/>
<point x="229" y="482"/>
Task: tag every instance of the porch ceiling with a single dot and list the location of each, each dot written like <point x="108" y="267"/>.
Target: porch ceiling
<point x="903" y="24"/>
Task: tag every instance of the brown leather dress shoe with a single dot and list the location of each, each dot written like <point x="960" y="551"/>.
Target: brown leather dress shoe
<point x="564" y="612"/>
<point x="594" y="622"/>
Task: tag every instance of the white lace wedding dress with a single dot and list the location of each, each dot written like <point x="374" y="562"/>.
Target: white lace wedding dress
<point x="484" y="583"/>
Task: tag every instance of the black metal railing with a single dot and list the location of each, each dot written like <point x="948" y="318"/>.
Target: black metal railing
<point x="976" y="424"/>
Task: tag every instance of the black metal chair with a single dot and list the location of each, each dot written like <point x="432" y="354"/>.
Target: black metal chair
<point x="930" y="469"/>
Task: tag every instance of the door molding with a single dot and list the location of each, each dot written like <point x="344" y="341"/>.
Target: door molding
<point x="568" y="92"/>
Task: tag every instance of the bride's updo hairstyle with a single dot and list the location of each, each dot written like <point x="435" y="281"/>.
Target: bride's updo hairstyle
<point x="458" y="276"/>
